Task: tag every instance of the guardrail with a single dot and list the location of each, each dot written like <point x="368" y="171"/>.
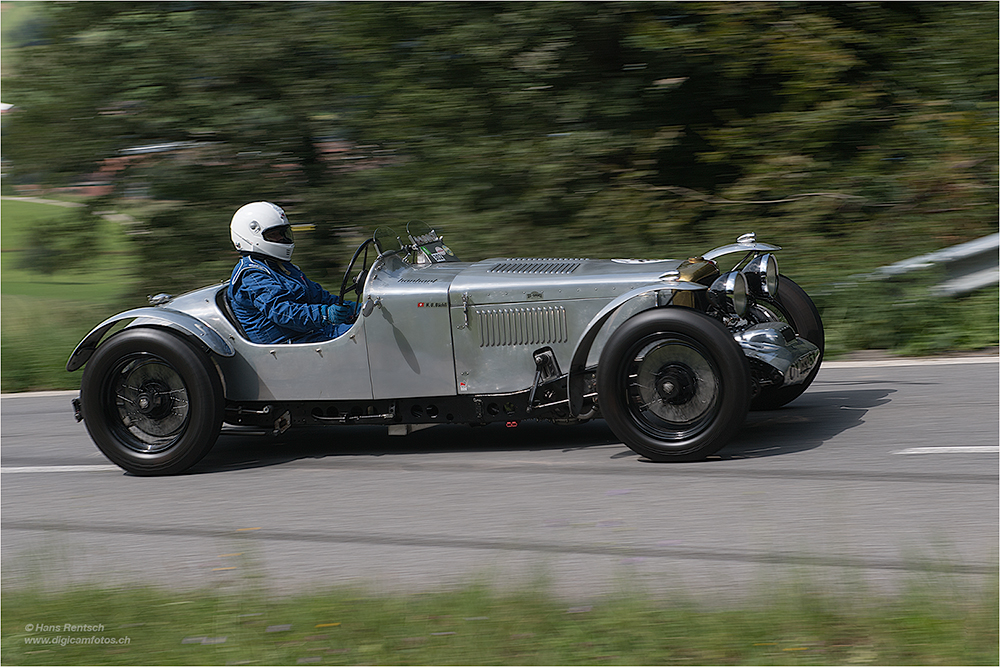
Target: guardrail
<point x="969" y="266"/>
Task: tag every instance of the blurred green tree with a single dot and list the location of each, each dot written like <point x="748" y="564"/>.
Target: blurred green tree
<point x="236" y="92"/>
<point x="524" y="128"/>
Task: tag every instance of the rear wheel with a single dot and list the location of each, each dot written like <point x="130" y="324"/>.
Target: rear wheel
<point x="792" y="305"/>
<point x="151" y="401"/>
<point x="673" y="384"/>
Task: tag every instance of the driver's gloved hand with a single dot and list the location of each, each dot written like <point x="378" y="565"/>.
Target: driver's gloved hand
<point x="338" y="314"/>
<point x="355" y="308"/>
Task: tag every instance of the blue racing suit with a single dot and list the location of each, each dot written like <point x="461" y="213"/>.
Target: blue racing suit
<point x="276" y="303"/>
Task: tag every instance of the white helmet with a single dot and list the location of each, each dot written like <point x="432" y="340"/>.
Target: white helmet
<point x="261" y="227"/>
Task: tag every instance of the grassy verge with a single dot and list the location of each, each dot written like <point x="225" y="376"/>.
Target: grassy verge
<point x="905" y="319"/>
<point x="793" y="626"/>
<point x="47" y="311"/>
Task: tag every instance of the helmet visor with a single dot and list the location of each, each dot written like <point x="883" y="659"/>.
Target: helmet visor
<point x="282" y="234"/>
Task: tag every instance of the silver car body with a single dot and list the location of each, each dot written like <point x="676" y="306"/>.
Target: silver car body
<point x="456" y="328"/>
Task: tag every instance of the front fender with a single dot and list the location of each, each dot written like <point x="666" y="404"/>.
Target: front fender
<point x="745" y="243"/>
<point x="151" y="316"/>
<point x="653" y="295"/>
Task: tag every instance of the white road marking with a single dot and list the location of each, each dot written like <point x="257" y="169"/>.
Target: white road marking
<point x="913" y="361"/>
<point x="985" y="449"/>
<point x="67" y="393"/>
<point x="81" y="468"/>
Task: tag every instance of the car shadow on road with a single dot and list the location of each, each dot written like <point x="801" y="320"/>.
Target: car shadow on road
<point x="805" y="424"/>
<point x="248" y="448"/>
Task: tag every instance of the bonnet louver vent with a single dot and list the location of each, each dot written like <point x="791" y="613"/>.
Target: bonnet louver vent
<point x="537" y="266"/>
<point x="523" y="326"/>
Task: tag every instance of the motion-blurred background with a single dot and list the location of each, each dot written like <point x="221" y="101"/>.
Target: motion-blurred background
<point x="854" y="135"/>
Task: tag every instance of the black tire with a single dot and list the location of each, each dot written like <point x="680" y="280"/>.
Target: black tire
<point x="673" y="384"/>
<point x="797" y="309"/>
<point x="151" y="401"/>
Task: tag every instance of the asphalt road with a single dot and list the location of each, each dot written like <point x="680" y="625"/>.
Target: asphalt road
<point x="879" y="474"/>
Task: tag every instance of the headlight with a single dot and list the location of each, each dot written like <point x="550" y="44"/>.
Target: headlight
<point x="762" y="275"/>
<point x="729" y="293"/>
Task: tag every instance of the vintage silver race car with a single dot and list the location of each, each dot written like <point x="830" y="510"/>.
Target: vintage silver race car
<point x="671" y="353"/>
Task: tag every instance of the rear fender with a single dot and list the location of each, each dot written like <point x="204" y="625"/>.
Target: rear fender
<point x="628" y="304"/>
<point x="151" y="316"/>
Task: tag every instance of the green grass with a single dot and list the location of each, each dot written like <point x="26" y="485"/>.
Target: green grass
<point x="903" y="317"/>
<point x="44" y="314"/>
<point x="792" y="625"/>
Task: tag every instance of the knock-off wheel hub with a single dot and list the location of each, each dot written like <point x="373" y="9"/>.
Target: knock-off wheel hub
<point x="676" y="384"/>
<point x="152" y="399"/>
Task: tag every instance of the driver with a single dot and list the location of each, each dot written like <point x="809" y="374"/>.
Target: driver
<point x="271" y="297"/>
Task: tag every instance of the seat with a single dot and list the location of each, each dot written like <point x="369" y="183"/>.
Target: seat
<point x="222" y="298"/>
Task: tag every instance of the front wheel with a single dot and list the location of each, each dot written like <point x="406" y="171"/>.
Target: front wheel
<point x="792" y="305"/>
<point x="151" y="402"/>
<point x="673" y="384"/>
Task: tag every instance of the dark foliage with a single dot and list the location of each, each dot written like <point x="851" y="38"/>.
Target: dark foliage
<point x="849" y="131"/>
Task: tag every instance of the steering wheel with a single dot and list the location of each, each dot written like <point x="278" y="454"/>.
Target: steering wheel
<point x="382" y="242"/>
<point x="358" y="283"/>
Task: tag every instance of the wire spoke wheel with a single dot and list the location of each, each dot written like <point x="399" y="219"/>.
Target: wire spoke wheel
<point x="673" y="387"/>
<point x="673" y="384"/>
<point x="150" y="401"/>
